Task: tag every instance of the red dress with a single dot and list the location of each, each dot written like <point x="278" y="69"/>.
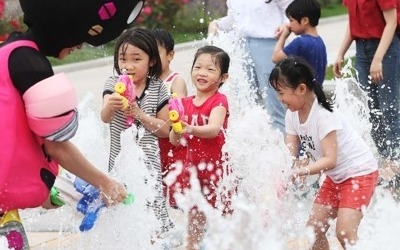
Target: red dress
<point x="203" y="155"/>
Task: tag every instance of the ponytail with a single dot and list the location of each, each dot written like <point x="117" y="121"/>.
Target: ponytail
<point x="321" y="97"/>
<point x="292" y="71"/>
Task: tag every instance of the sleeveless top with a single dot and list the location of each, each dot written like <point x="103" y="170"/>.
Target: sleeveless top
<point x="26" y="171"/>
<point x="169" y="80"/>
<point x="166" y="148"/>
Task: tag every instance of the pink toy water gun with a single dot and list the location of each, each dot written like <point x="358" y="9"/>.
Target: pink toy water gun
<point x="176" y="112"/>
<point x="126" y="88"/>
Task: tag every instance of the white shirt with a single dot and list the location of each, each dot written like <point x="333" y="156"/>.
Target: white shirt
<point x="354" y="157"/>
<point x="254" y="18"/>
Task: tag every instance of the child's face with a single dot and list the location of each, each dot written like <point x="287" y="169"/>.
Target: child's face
<point x="291" y="98"/>
<point x="296" y="27"/>
<point x="206" y="76"/>
<point x="165" y="57"/>
<point x="135" y="61"/>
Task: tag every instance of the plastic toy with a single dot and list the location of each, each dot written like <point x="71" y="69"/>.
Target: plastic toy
<point x="11" y="228"/>
<point x="176" y="112"/>
<point x="69" y="189"/>
<point x="126" y="88"/>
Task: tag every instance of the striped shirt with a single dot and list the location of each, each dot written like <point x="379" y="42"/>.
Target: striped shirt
<point x="154" y="97"/>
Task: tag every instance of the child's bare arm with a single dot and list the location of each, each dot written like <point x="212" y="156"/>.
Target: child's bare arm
<point x="179" y="87"/>
<point x="278" y="53"/>
<point x="111" y="103"/>
<point x="158" y="125"/>
<point x="210" y="130"/>
<point x="70" y="158"/>
<point x="329" y="159"/>
<point x="214" y="126"/>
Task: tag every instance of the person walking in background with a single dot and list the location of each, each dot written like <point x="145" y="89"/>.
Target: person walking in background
<point x="175" y="84"/>
<point x="259" y="23"/>
<point x="340" y="153"/>
<point x="372" y="25"/>
<point x="136" y="53"/>
<point x="39" y="108"/>
<point x="201" y="140"/>
<point x="303" y="18"/>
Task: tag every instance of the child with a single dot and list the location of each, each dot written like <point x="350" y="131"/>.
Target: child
<point x="174" y="81"/>
<point x="136" y="53"/>
<point x="175" y="84"/>
<point x="340" y="153"/>
<point x="41" y="106"/>
<point x="207" y="115"/>
<point x="303" y="16"/>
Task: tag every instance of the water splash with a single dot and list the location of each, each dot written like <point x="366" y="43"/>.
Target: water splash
<point x="257" y="155"/>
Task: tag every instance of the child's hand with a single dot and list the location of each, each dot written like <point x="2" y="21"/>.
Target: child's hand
<point x="186" y="128"/>
<point x="115" y="102"/>
<point x="388" y="170"/>
<point x="299" y="180"/>
<point x="213" y="28"/>
<point x="113" y="192"/>
<point x="133" y="111"/>
<point x="300" y="171"/>
<point x="282" y="30"/>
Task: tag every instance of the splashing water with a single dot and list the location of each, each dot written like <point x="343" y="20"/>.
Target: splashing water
<point x="262" y="219"/>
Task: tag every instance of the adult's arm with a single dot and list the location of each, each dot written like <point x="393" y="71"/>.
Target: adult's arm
<point x="346" y="42"/>
<point x="376" y="71"/>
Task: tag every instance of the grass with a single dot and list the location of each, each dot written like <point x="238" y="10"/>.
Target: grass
<point x="333" y="10"/>
<point x="86" y="53"/>
<point x="90" y="53"/>
<point x="329" y="74"/>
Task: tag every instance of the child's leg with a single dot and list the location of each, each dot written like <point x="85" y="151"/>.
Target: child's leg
<point x="196" y="228"/>
<point x="355" y="195"/>
<point x="347" y="224"/>
<point x="319" y="220"/>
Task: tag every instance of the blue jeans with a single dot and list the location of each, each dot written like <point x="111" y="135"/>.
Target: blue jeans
<point x="260" y="51"/>
<point x="384" y="96"/>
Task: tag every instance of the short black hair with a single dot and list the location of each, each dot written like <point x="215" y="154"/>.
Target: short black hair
<point x="143" y="39"/>
<point x="304" y="8"/>
<point x="164" y="39"/>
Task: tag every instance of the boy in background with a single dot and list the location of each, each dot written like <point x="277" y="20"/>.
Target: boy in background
<point x="303" y="18"/>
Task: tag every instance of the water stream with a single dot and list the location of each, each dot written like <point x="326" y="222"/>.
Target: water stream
<point x="262" y="218"/>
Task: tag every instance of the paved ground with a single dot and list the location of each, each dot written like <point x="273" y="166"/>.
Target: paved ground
<point x="90" y="77"/>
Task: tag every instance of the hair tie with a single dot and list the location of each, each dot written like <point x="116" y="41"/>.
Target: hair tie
<point x="314" y="81"/>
